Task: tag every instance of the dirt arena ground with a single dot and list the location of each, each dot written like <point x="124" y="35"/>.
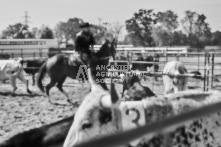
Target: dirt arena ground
<point x="22" y="111"/>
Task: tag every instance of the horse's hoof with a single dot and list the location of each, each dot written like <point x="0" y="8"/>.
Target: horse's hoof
<point x="29" y="91"/>
<point x="12" y="94"/>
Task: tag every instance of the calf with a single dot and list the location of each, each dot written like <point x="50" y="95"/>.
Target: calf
<point x="32" y="67"/>
<point x="46" y="136"/>
<point x="134" y="90"/>
<point x="174" y="78"/>
<point x="10" y="70"/>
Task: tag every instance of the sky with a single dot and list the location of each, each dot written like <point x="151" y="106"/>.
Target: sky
<point x="51" y="12"/>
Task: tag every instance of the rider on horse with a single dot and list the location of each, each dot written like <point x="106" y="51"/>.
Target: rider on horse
<point x="84" y="42"/>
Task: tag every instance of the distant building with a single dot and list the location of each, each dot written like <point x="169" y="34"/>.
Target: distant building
<point x="212" y="48"/>
<point x="20" y="47"/>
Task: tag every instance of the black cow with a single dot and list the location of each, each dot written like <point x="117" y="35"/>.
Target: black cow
<point x="31" y="67"/>
<point x="46" y="136"/>
<point x="134" y="90"/>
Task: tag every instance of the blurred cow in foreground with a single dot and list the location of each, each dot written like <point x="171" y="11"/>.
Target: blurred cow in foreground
<point x="174" y="78"/>
<point x="102" y="113"/>
<point x="52" y="135"/>
<point x="10" y="70"/>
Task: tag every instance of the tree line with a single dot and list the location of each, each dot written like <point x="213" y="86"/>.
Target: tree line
<point x="145" y="28"/>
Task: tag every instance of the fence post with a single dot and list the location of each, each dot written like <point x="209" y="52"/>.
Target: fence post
<point x="204" y="81"/>
<point x="153" y="79"/>
<point x="34" y="55"/>
<point x="198" y="61"/>
<point x="177" y="57"/>
<point x="22" y="53"/>
<point x="166" y="56"/>
<point x="2" y="54"/>
<point x="208" y="75"/>
<point x="213" y="64"/>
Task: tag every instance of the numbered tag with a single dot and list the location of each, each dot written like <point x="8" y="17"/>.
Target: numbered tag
<point x="133" y="116"/>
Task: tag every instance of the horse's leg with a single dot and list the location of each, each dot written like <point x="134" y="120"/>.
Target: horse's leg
<point x="33" y="79"/>
<point x="13" y="84"/>
<point x="48" y="87"/>
<point x="156" y="68"/>
<point x="59" y="86"/>
<point x="21" y="77"/>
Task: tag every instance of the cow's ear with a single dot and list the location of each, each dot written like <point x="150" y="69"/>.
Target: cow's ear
<point x="114" y="95"/>
<point x="110" y="100"/>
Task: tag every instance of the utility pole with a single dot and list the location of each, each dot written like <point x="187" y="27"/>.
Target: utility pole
<point x="99" y="21"/>
<point x="26" y="21"/>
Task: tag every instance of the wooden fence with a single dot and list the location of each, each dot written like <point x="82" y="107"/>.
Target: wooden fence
<point x="207" y="63"/>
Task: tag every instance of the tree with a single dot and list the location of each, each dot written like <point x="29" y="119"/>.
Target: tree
<point x="179" y="38"/>
<point x="197" y="29"/>
<point x="46" y="33"/>
<point x="100" y="33"/>
<point x="139" y="27"/>
<point x="17" y="31"/>
<point x="115" y="29"/>
<point x="167" y="20"/>
<point x="68" y="30"/>
<point x="166" y="23"/>
<point x="216" y="38"/>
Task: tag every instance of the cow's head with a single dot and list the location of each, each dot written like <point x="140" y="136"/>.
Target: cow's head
<point x="175" y="80"/>
<point x="180" y="81"/>
<point x="96" y="116"/>
<point x="138" y="92"/>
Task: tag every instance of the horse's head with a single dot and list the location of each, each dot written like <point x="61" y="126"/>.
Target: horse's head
<point x="108" y="49"/>
<point x="95" y="117"/>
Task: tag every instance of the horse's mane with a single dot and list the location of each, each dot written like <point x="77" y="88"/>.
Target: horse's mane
<point x="103" y="49"/>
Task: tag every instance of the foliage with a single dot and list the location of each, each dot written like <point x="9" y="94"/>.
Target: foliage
<point x="216" y="38"/>
<point x="197" y="29"/>
<point x="100" y="33"/>
<point x="115" y="29"/>
<point x="140" y="26"/>
<point x="46" y="33"/>
<point x="17" y="31"/>
<point x="166" y="23"/>
<point x="68" y="30"/>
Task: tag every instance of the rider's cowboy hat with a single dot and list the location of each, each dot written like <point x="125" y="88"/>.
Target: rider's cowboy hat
<point x="85" y="25"/>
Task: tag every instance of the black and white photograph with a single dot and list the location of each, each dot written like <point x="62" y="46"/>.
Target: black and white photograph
<point x="110" y="73"/>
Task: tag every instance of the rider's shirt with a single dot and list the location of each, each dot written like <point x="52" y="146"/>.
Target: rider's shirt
<point x="83" y="41"/>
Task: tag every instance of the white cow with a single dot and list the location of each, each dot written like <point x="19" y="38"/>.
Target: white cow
<point x="171" y="79"/>
<point x="102" y="113"/>
<point x="10" y="70"/>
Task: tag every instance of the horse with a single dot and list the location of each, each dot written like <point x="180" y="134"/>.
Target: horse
<point x="59" y="68"/>
<point x="172" y="77"/>
<point x="10" y="70"/>
<point x="102" y="113"/>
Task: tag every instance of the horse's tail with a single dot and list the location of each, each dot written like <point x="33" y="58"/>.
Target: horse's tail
<point x="40" y="76"/>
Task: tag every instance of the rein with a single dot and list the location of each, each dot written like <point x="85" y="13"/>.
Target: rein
<point x="108" y="57"/>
